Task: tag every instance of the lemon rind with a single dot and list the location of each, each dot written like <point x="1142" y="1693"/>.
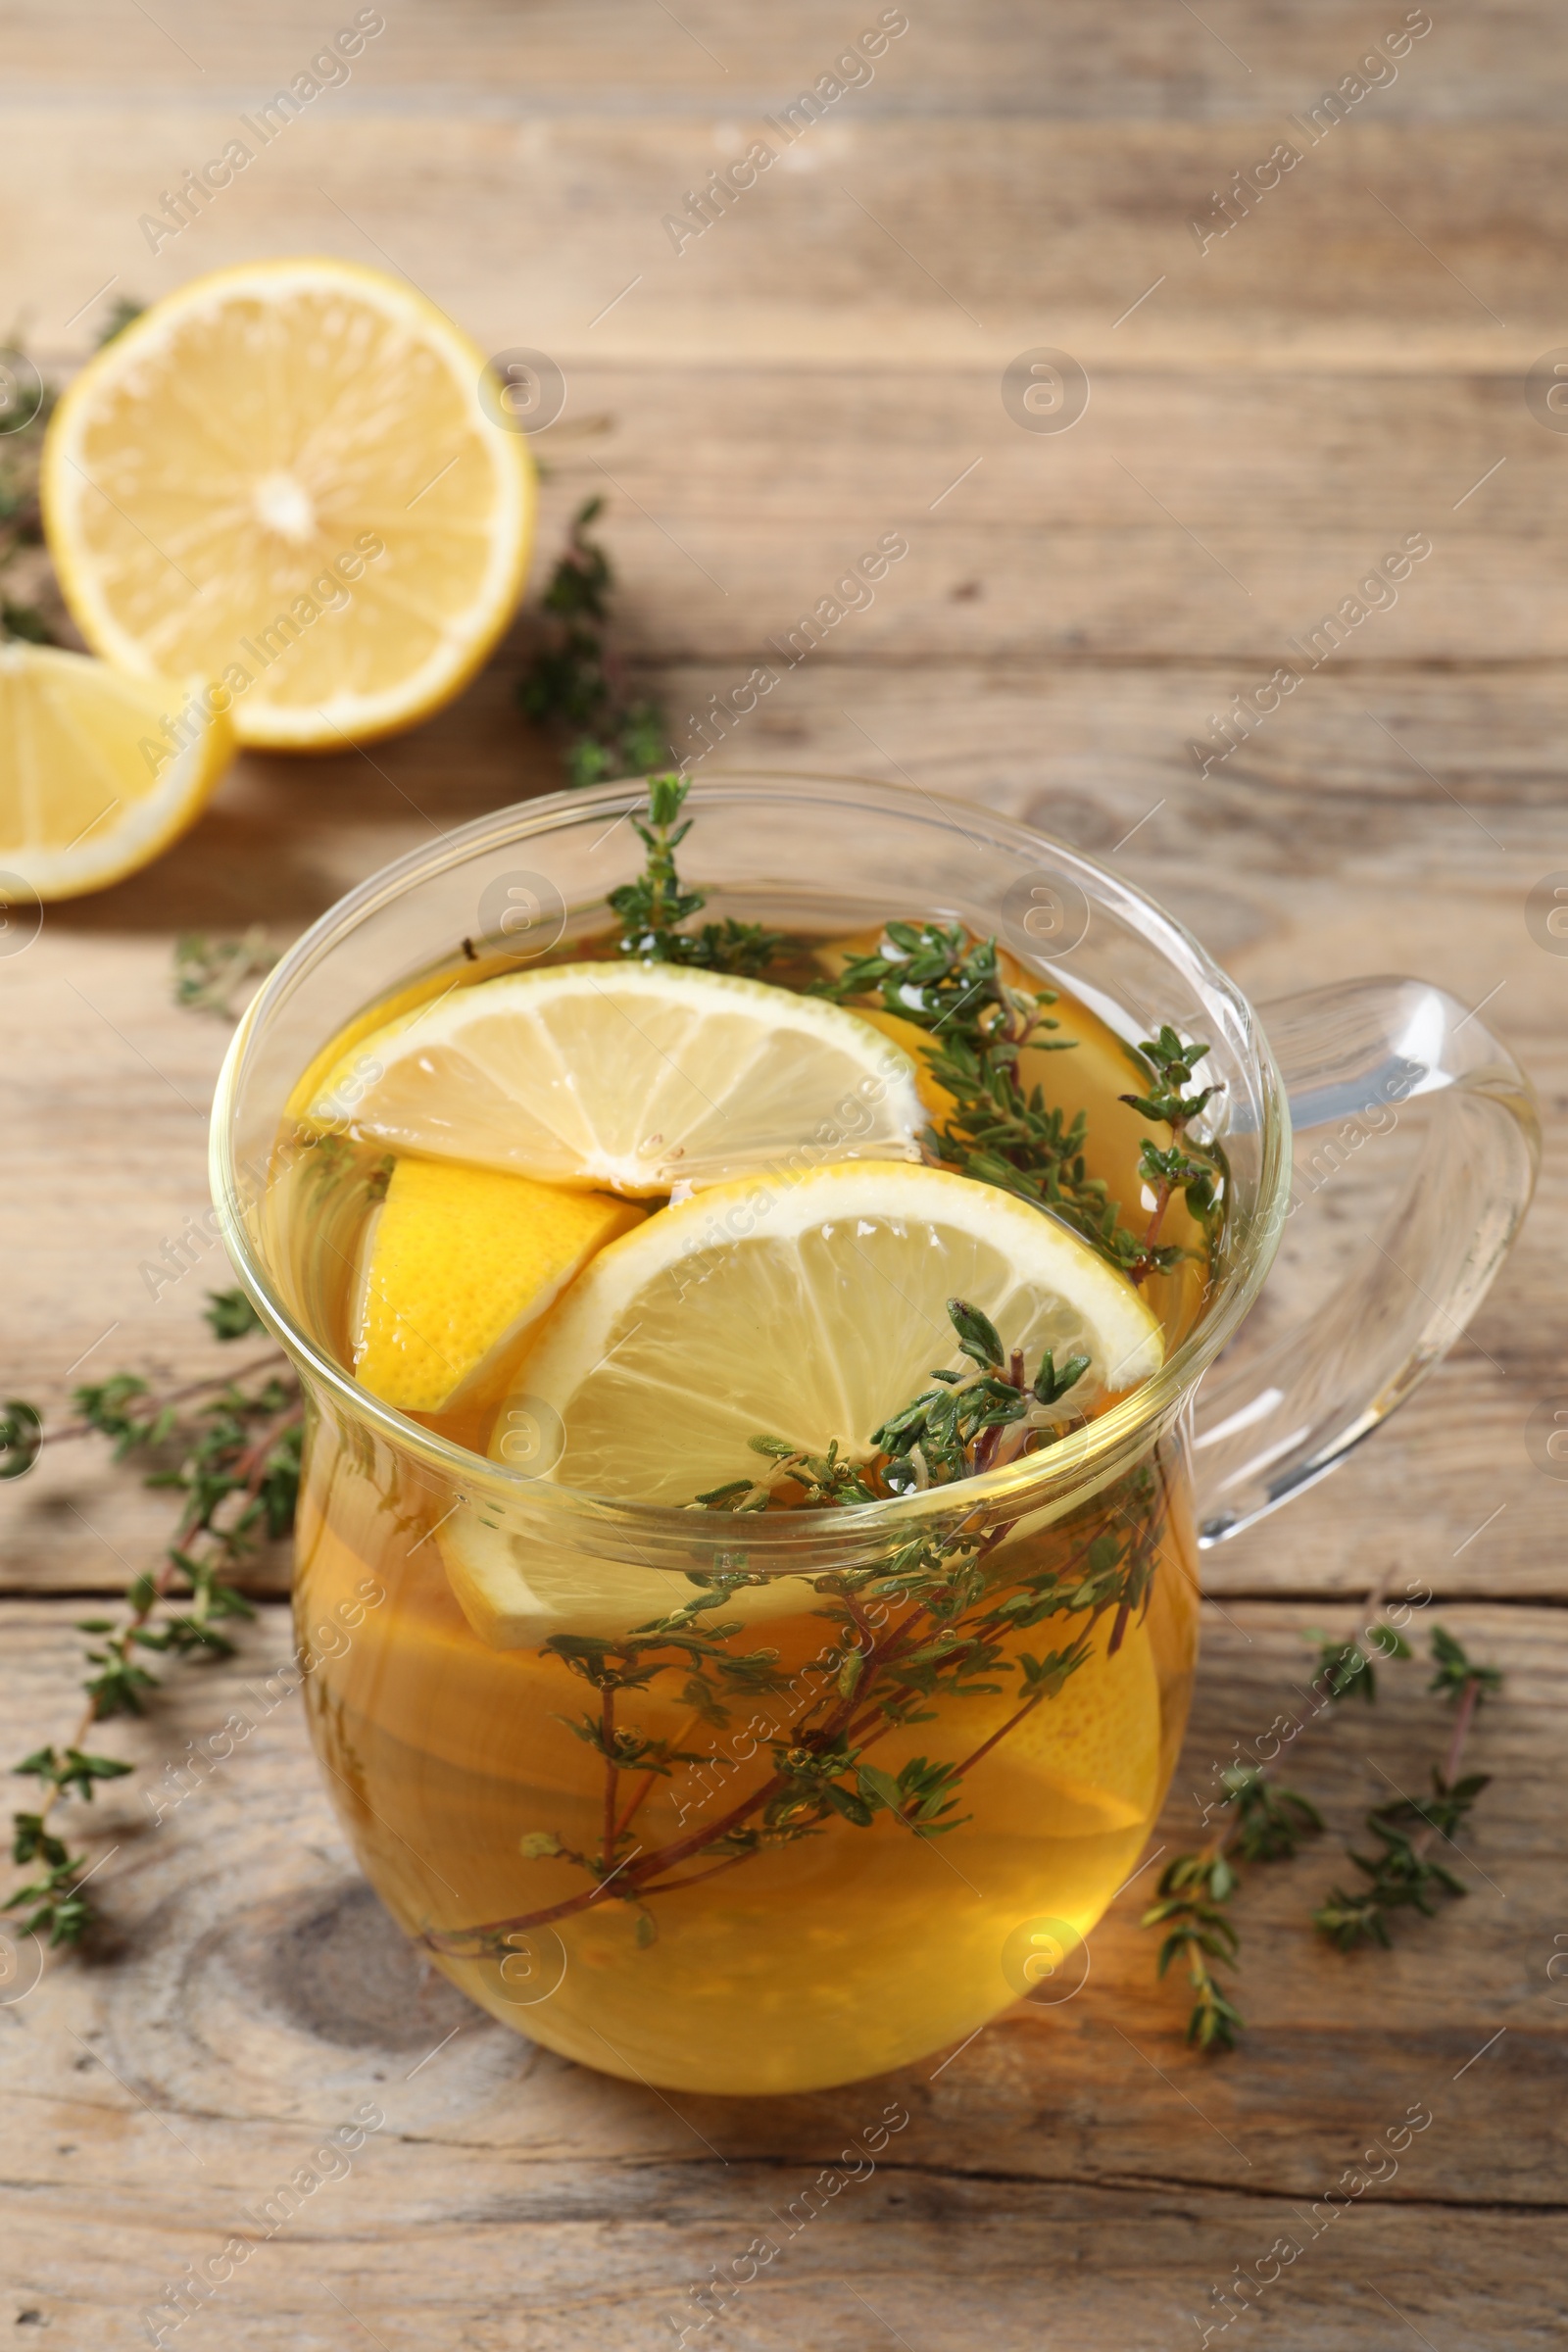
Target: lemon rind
<point x="152" y="820"/>
<point x="582" y="1334"/>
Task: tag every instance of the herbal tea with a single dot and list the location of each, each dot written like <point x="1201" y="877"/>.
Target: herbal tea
<point x="797" y="1753"/>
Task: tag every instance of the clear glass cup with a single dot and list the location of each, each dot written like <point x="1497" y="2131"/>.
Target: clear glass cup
<point x="858" y="1947"/>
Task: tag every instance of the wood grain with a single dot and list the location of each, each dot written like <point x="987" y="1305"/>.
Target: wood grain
<point x="615" y="56"/>
<point x="1075" y="2155"/>
<point x="1337" y="849"/>
<point x="891" y="241"/>
<point x="824" y="363"/>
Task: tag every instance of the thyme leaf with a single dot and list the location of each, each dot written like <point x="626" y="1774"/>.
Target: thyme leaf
<point x="1345" y="1668"/>
<point x="655" y="907"/>
<point x="1001" y="1131"/>
<point x="574" y="683"/>
<point x="232" y="1452"/>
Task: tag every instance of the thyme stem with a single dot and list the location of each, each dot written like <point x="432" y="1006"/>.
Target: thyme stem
<point x="607" y="1735"/>
<point x="1450" y="1763"/>
<point x="210" y="1382"/>
<point x="240" y="1468"/>
<point x="944" y="1635"/>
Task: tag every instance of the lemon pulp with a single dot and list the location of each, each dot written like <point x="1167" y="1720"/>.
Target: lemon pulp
<point x="456" y="1266"/>
<point x="633" y="1076"/>
<point x="92" y="785"/>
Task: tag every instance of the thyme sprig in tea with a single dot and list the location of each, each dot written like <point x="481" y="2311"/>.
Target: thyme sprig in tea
<point x="940" y="978"/>
<point x="924" y="1623"/>
<point x="962" y="1426"/>
<point x="654" y="907"/>
<point x="1003" y="1132"/>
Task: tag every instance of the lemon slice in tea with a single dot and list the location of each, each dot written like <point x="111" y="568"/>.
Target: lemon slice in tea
<point x="809" y="1311"/>
<point x="629" y="1077"/>
<point x="1083" y="1763"/>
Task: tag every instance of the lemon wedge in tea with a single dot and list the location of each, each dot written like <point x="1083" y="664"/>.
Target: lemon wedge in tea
<point x="455" y="1265"/>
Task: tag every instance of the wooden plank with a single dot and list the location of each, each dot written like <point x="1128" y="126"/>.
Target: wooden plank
<point x="1189" y="518"/>
<point x="1006" y="59"/>
<point x="872" y="239"/>
<point x="1186" y="517"/>
<point x="1074" y="2161"/>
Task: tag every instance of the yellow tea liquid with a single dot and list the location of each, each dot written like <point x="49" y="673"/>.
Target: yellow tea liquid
<point x="464" y="1778"/>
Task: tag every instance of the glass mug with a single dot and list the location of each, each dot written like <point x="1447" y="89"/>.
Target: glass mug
<point x="699" y="1921"/>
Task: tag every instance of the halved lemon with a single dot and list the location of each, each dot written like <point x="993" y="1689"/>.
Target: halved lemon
<point x="97" y="771"/>
<point x="456" y="1266"/>
<point x="808" y="1309"/>
<point x="283" y="479"/>
<point x="633" y="1077"/>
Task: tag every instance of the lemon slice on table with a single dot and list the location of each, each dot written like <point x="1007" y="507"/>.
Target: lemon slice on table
<point x="282" y="479"/>
<point x="91" y="787"/>
<point x="809" y="1311"/>
<point x="455" y="1265"/>
<point x="634" y="1077"/>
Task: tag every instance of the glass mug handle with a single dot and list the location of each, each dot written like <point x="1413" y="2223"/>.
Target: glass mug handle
<point x="1349" y="1056"/>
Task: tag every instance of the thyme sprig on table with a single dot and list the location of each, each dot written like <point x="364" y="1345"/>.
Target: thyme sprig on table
<point x="21" y="440"/>
<point x="230" y="1448"/>
<point x="574" y="683"/>
<point x="21" y="517"/>
<point x="1400" y="1877"/>
<point x="211" y="972"/>
<point x="926" y="1622"/>
<point x="1269" y="1823"/>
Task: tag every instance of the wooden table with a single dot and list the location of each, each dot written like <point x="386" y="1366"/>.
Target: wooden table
<point x="1270" y="412"/>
